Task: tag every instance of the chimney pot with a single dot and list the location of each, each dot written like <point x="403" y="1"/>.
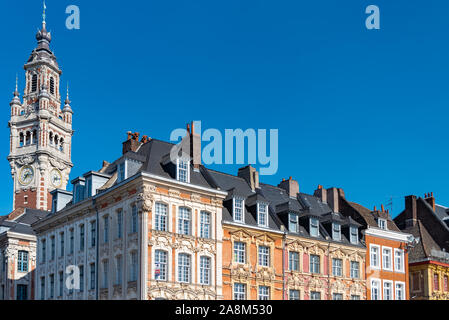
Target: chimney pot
<point x="382" y="207"/>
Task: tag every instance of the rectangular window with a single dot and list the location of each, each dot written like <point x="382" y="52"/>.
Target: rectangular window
<point x="314" y="227"/>
<point x="399" y="260"/>
<point x="53" y="247"/>
<point x="134" y="219"/>
<point x="43" y="288"/>
<point x="355" y="270"/>
<point x="375" y="289"/>
<point x="121" y="171"/>
<point x="336" y="232"/>
<point x="204" y="270"/>
<point x="92" y="276"/>
<point x="264" y="256"/>
<point x="293" y="261"/>
<point x="239" y="252"/>
<point x="93" y="233"/>
<point x="22" y="292"/>
<point x="293" y="222"/>
<point x="106" y="229"/>
<point x="337" y="296"/>
<point x="161" y="216"/>
<point x="388" y="294"/>
<point x="315" y="295"/>
<point x="400" y="291"/>
<point x="262" y="215"/>
<point x="354" y="235"/>
<point x="382" y="223"/>
<point x="62" y="245"/>
<point x="44" y="257"/>
<point x="314" y="264"/>
<point x="386" y="259"/>
<point x="119" y="223"/>
<point x="337" y="267"/>
<point x="22" y="261"/>
<point x="264" y="293"/>
<point x="134" y="264"/>
<point x="355" y="297"/>
<point x="445" y="284"/>
<point x="105" y="274"/>
<point x="52" y="286"/>
<point x="72" y="241"/>
<point x="183" y="170"/>
<point x="238" y="210"/>
<point x="204" y="224"/>
<point x="82" y="237"/>
<point x="118" y="273"/>
<point x="293" y="294"/>
<point x="160" y="265"/>
<point x="415" y="281"/>
<point x="374" y="256"/>
<point x="81" y="268"/>
<point x="184" y="267"/>
<point x="61" y="283"/>
<point x="184" y="226"/>
<point x="436" y="282"/>
<point x="239" y="291"/>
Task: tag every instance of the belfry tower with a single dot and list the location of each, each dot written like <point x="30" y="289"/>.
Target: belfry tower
<point x="40" y="132"/>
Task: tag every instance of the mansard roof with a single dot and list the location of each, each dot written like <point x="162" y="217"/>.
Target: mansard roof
<point x="20" y="220"/>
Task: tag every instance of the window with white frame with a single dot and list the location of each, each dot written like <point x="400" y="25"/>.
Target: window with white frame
<point x="239" y="252"/>
<point x="314" y="227"/>
<point x="314" y="263"/>
<point x="182" y="171"/>
<point x="388" y="290"/>
<point x="262" y="214"/>
<point x="204" y="224"/>
<point x="382" y="223"/>
<point x="293" y="294"/>
<point x="293" y="261"/>
<point x="386" y="258"/>
<point x="264" y="256"/>
<point x="400" y="291"/>
<point x="160" y="265"/>
<point x="315" y="295"/>
<point x="184" y="264"/>
<point x="336" y="231"/>
<point x="205" y="270"/>
<point x="293" y="222"/>
<point x="239" y="291"/>
<point x="355" y="269"/>
<point x="22" y="261"/>
<point x="133" y="267"/>
<point x="184" y="220"/>
<point x="374" y="256"/>
<point x="238" y="209"/>
<point x="398" y="260"/>
<point x="264" y="293"/>
<point x="337" y="267"/>
<point x="161" y="216"/>
<point x="375" y="289"/>
<point x="337" y="296"/>
<point x="353" y="235"/>
<point x="134" y="219"/>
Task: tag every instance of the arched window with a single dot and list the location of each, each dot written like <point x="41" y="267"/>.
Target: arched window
<point x="34" y="137"/>
<point x="28" y="138"/>
<point x="61" y="145"/>
<point x="56" y="141"/>
<point x="50" y="137"/>
<point x="52" y="85"/>
<point x="34" y="83"/>
<point x="21" y="139"/>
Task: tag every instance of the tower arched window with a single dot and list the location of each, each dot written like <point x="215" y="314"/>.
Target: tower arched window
<point x="50" y="138"/>
<point x="56" y="141"/>
<point x="34" y="83"/>
<point x="28" y="138"/>
<point x="61" y="145"/>
<point x="34" y="137"/>
<point x="52" y="85"/>
<point x="21" y="139"/>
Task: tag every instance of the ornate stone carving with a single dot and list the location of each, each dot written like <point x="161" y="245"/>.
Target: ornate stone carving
<point x="145" y="199"/>
<point x="25" y="160"/>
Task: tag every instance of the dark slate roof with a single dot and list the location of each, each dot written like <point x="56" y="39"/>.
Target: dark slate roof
<point x="423" y="249"/>
<point x="22" y="224"/>
<point x="370" y="216"/>
<point x="441" y="212"/>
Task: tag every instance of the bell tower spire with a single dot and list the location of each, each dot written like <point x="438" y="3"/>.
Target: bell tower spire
<point x="41" y="133"/>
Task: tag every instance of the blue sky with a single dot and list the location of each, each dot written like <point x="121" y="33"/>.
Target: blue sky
<point x="364" y="110"/>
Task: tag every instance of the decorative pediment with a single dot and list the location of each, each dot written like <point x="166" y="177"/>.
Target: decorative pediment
<point x="264" y="238"/>
<point x="241" y="235"/>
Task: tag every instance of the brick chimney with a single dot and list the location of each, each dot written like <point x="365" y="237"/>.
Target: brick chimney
<point x="251" y="175"/>
<point x="321" y="193"/>
<point x="132" y="143"/>
<point x="291" y="186"/>
<point x="333" y="199"/>
<point x="411" y="211"/>
<point x="195" y="144"/>
<point x="430" y="199"/>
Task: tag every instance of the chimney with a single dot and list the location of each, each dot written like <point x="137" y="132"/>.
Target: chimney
<point x="195" y="143"/>
<point x="429" y="198"/>
<point x="291" y="186"/>
<point x="411" y="211"/>
<point x="333" y="199"/>
<point x="321" y="193"/>
<point x="132" y="143"/>
<point x="251" y="175"/>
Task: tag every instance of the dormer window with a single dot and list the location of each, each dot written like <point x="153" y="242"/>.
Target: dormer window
<point x="314" y="227"/>
<point x="262" y="214"/>
<point x="238" y="209"/>
<point x="382" y="223"/>
<point x="353" y="235"/>
<point x="293" y="222"/>
<point x="182" y="170"/>
<point x="336" y="232"/>
<point x="121" y="171"/>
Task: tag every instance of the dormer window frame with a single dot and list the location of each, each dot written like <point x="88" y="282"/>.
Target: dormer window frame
<point x="353" y="238"/>
<point x="179" y="162"/>
<point x="259" y="205"/>
<point x="123" y="164"/>
<point x="336" y="234"/>
<point x="312" y="226"/>
<point x="382" y="223"/>
<point x="241" y="207"/>
<point x="293" y="222"/>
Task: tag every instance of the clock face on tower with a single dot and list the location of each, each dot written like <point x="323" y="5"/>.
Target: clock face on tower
<point x="26" y="175"/>
<point x="56" y="178"/>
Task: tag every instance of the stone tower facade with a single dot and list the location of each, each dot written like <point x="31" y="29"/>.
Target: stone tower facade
<point x="40" y="131"/>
